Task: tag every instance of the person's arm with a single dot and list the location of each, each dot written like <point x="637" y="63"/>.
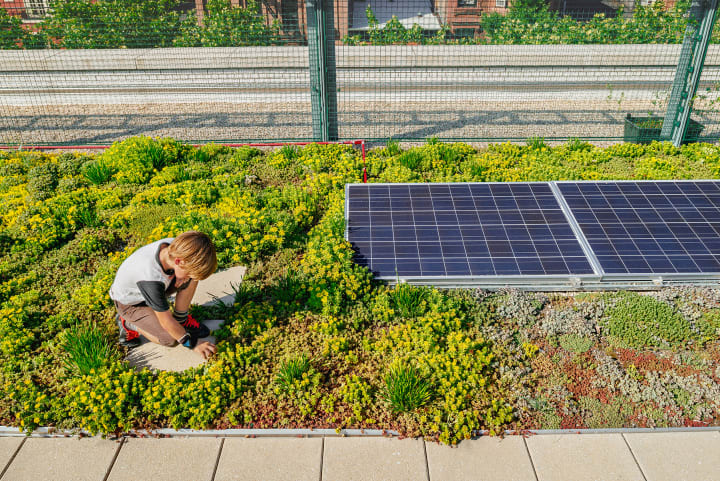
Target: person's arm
<point x="168" y="322"/>
<point x="184" y="296"/>
<point x="154" y="294"/>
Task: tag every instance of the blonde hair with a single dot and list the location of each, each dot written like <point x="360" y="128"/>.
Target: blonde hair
<point x="197" y="252"/>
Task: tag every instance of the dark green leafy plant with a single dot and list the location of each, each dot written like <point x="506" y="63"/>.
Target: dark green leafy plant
<point x="406" y="389"/>
<point x="87" y="348"/>
<point x="155" y="155"/>
<point x="88" y="217"/>
<point x="289" y="292"/>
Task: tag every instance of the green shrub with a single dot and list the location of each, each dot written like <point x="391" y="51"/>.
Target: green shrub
<point x="538" y="25"/>
<point x="575" y="343"/>
<point x="87" y="348"/>
<point x="13" y="36"/>
<point x="69" y="184"/>
<point x="42" y="181"/>
<point x="136" y="159"/>
<point x="113" y="24"/>
<point x="640" y="321"/>
<point x="290" y="152"/>
<point x="536" y="143"/>
<point x="228" y="26"/>
<point x="70" y="163"/>
<point x="405" y="389"/>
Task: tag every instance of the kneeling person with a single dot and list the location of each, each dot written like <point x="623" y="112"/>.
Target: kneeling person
<point x="152" y="273"/>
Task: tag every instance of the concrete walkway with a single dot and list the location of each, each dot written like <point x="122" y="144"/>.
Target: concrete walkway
<point x="642" y="456"/>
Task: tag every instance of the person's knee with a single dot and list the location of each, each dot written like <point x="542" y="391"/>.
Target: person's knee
<point x="167" y="341"/>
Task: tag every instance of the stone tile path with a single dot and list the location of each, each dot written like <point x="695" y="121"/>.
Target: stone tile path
<point x="665" y="456"/>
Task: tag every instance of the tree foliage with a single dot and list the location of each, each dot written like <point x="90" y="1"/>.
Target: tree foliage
<point x="227" y="26"/>
<point x="530" y="23"/>
<point x="113" y="23"/>
<point x="13" y="36"/>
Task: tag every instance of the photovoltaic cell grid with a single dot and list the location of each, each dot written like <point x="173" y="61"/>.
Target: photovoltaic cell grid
<point x="455" y="230"/>
<point x="662" y="227"/>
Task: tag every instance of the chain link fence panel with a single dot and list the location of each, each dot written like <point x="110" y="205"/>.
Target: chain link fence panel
<point x="409" y="70"/>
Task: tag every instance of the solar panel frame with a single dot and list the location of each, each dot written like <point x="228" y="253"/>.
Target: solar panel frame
<point x="629" y="231"/>
<point x="511" y="215"/>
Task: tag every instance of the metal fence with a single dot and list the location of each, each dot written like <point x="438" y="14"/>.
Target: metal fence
<point x="331" y="69"/>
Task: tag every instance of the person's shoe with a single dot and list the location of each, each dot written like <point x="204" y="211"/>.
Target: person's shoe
<point x="197" y="330"/>
<point x="127" y="337"/>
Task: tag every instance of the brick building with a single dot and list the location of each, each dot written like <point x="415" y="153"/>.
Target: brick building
<point x="462" y="16"/>
<point x="26" y="9"/>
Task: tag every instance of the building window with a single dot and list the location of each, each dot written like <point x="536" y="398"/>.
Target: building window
<point x="467" y="3"/>
<point x="501" y="3"/>
<point x="36" y="8"/>
<point x="465" y="32"/>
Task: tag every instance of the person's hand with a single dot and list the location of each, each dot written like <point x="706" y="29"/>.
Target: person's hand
<point x="205" y="349"/>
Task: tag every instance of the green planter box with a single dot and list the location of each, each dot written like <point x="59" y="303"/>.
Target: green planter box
<point x="643" y="130"/>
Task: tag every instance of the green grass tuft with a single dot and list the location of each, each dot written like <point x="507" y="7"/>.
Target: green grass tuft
<point x="87" y="348"/>
<point x="98" y="172"/>
<point x="291" y="371"/>
<point x="406" y="389"/>
<point x="410" y="301"/>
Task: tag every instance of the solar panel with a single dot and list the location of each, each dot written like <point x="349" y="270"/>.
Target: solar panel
<point x="459" y="230"/>
<point x="649" y="227"/>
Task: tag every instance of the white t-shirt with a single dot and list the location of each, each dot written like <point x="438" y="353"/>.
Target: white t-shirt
<point x="141" y="278"/>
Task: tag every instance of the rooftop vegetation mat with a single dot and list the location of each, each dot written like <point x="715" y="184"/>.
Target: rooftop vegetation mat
<point x="312" y="340"/>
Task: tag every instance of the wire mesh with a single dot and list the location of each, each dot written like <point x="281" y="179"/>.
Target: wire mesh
<point x="82" y="72"/>
<point x="100" y="72"/>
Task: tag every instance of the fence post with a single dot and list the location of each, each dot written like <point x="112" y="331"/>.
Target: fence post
<point x="321" y="51"/>
<point x="690" y="65"/>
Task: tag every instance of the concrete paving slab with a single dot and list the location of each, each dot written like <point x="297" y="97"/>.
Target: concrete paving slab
<point x="677" y="456"/>
<point x="270" y="459"/>
<point x="8" y="446"/>
<point x="163" y="358"/>
<point x="62" y="459"/>
<point x="578" y="457"/>
<point x="373" y="459"/>
<point x="169" y="459"/>
<point x="486" y="459"/>
<point x="219" y="286"/>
